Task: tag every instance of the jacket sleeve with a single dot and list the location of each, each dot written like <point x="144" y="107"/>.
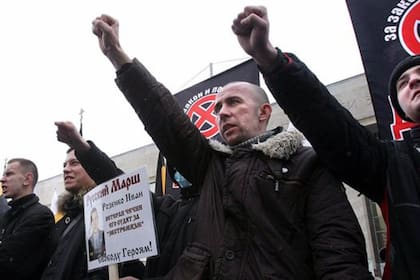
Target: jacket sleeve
<point x="97" y="164"/>
<point x="102" y="168"/>
<point x="336" y="239"/>
<point x="171" y="130"/>
<point x="348" y="149"/>
<point x="3" y="206"/>
<point x="19" y="250"/>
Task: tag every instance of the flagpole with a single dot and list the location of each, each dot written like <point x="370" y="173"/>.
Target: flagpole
<point x="113" y="272"/>
<point x="81" y="121"/>
<point x="211" y="69"/>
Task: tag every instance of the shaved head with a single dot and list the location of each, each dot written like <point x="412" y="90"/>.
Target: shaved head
<point x="242" y="110"/>
<point x="258" y="93"/>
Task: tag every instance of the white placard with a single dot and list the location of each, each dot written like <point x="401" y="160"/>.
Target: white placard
<point x="119" y="220"/>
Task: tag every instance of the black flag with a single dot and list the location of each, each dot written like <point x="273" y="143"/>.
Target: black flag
<point x="387" y="31"/>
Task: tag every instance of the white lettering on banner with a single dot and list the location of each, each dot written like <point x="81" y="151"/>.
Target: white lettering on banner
<point x="199" y="95"/>
<point x="391" y="31"/>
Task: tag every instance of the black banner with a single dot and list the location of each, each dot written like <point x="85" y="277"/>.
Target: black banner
<point x="198" y="100"/>
<point x="198" y="103"/>
<point x="387" y="31"/>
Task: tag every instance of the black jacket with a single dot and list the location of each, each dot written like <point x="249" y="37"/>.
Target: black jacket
<point x="385" y="171"/>
<point x="268" y="211"/>
<point x="26" y="239"/>
<point x="3" y="205"/>
<point x="175" y="223"/>
<point x="69" y="260"/>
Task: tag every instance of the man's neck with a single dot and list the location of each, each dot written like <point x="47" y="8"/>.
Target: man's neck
<point x="257" y="139"/>
<point x="21" y="196"/>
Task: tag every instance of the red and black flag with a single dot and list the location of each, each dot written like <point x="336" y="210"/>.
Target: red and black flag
<point x="387" y="31"/>
<point x="198" y="103"/>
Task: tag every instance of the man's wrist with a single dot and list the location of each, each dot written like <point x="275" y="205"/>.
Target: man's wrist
<point x="118" y="58"/>
<point x="275" y="60"/>
<point x="267" y="58"/>
<point x="124" y="68"/>
<point x="81" y="146"/>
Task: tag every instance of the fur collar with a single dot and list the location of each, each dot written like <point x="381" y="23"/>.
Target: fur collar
<point x="66" y="198"/>
<point x="280" y="146"/>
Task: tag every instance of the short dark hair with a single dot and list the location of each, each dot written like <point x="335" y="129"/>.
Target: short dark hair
<point x="28" y="166"/>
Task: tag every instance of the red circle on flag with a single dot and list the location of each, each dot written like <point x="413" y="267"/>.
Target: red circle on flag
<point x="409" y="30"/>
<point x="201" y="114"/>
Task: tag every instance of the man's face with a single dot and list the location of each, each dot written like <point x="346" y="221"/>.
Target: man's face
<point x="94" y="221"/>
<point x="75" y="176"/>
<point x="15" y="182"/>
<point x="408" y="91"/>
<point x="238" y="113"/>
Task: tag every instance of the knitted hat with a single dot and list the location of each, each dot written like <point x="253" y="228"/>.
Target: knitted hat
<point x="401" y="67"/>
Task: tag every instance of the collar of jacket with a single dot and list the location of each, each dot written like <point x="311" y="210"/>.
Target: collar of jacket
<point x="280" y="145"/>
<point x="67" y="201"/>
<point x="22" y="203"/>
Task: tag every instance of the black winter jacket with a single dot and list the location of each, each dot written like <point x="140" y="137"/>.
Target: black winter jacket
<point x="268" y="211"/>
<point x="26" y="239"/>
<point x="69" y="260"/>
<point x="3" y="205"/>
<point x="385" y="171"/>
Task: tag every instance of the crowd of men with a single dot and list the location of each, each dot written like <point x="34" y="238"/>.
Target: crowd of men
<point x="263" y="206"/>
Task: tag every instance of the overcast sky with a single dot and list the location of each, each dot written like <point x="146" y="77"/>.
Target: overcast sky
<point x="51" y="65"/>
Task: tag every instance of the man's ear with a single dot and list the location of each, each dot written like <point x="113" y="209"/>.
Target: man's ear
<point x="29" y="179"/>
<point x="265" y="112"/>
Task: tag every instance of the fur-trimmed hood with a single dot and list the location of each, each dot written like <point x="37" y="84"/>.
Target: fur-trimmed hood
<point x="280" y="146"/>
<point x="67" y="198"/>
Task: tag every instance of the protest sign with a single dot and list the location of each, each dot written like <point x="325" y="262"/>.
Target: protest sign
<point x="119" y="220"/>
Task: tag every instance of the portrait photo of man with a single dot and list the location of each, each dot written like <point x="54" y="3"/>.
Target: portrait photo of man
<point x="96" y="241"/>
